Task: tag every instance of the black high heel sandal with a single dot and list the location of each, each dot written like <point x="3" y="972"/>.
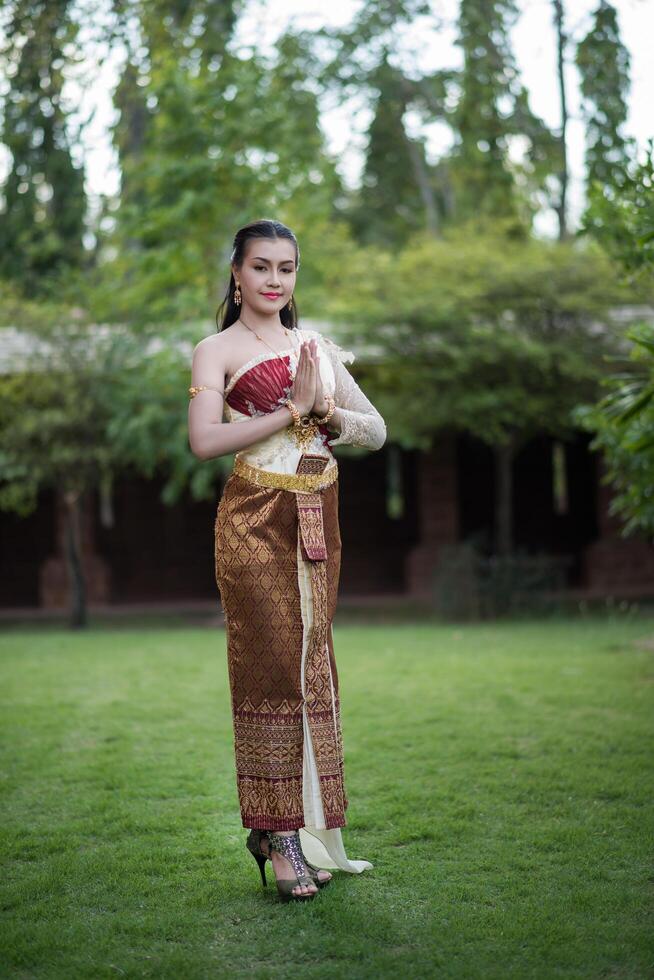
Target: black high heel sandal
<point x="253" y="845"/>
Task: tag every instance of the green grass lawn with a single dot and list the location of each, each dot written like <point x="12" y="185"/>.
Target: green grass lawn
<point x="499" y="776"/>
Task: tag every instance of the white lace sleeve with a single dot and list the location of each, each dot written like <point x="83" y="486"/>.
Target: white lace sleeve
<point x="362" y="425"/>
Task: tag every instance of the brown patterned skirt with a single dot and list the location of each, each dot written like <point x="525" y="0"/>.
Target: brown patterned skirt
<point x="277" y="560"/>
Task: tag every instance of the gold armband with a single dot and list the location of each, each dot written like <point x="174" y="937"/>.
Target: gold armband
<point x="195" y="389"/>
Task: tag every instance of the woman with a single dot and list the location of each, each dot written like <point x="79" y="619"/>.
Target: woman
<point x="287" y="400"/>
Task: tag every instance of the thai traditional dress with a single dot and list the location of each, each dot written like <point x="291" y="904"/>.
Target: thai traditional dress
<point x="277" y="560"/>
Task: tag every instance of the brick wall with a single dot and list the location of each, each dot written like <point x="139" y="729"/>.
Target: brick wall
<point x="613" y="565"/>
<point x="437" y="506"/>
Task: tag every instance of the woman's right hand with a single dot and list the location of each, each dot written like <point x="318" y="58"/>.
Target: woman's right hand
<point x="303" y="392"/>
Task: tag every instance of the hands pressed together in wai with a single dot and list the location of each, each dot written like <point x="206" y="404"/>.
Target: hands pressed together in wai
<point x="307" y="392"/>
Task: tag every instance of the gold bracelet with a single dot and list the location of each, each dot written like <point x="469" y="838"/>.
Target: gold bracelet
<point x="301" y="421"/>
<point x="331" y="408"/>
<point x="293" y="410"/>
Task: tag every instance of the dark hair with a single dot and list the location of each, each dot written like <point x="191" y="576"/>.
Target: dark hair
<point x="228" y="311"/>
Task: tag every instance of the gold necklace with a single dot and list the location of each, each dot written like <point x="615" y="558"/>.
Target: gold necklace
<point x="252" y="330"/>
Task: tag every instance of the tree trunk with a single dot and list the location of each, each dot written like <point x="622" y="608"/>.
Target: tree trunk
<point x="426" y="190"/>
<point x="504" y="498"/>
<point x="562" y="206"/>
<point x="78" y="612"/>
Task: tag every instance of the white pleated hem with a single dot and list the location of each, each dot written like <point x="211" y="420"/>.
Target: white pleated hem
<point x="321" y="846"/>
<point x="325" y="849"/>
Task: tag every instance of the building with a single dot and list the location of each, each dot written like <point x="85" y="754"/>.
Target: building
<point x="401" y="513"/>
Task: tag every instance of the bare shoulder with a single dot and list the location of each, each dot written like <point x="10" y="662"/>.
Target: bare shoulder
<point x="213" y="353"/>
<point x="210" y="357"/>
<point x="215" y="345"/>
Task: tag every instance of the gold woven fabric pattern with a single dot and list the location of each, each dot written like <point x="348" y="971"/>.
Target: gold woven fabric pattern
<point x="256" y="538"/>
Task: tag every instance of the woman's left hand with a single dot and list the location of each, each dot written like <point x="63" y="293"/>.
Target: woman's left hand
<point x="320" y="406"/>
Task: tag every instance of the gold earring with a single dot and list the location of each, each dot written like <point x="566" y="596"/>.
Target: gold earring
<point x="237" y="294"/>
<point x="290" y="302"/>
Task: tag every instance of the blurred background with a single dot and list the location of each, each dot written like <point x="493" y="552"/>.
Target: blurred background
<point x="471" y="187"/>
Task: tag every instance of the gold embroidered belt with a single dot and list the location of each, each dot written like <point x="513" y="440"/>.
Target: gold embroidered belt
<point x="309" y="478"/>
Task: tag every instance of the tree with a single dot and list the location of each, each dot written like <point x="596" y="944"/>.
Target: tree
<point x="388" y="207"/>
<point x="603" y="63"/>
<point x="484" y="103"/>
<point x="492" y="109"/>
<point x="622" y="422"/>
<point x="561" y="205"/>
<point x="218" y="138"/>
<point x="88" y="403"/>
<point x="42" y="219"/>
<point x="400" y="191"/>
<point x="195" y="34"/>
<point x="621" y="217"/>
<point x="489" y="76"/>
<point x="497" y="337"/>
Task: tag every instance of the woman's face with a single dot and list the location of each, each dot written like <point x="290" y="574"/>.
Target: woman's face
<point x="267" y="275"/>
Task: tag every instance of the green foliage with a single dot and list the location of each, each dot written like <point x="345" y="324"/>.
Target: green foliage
<point x="499" y="336"/>
<point x="388" y="206"/>
<point x="485" y="329"/>
<point x="148" y="427"/>
<point x="89" y="402"/>
<point x="621" y="217"/>
<point x="623" y="423"/>
<point x="492" y="110"/>
<point x="483" y="103"/>
<point x="42" y="218"/>
<point x="217" y="143"/>
<point x="603" y="63"/>
<point x="50" y="428"/>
